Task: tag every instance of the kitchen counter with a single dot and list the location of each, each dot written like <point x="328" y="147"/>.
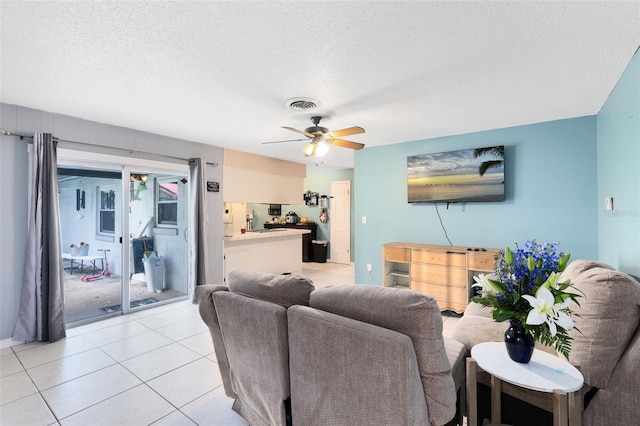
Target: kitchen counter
<point x="267" y="233"/>
<point x="275" y="251"/>
<point x="307" y="239"/>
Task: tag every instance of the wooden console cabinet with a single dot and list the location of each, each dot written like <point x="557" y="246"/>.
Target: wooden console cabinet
<point x="443" y="272"/>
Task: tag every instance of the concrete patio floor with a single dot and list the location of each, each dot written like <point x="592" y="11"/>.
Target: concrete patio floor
<point x="85" y="300"/>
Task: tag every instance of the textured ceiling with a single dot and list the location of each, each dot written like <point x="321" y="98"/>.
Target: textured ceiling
<point x="220" y="72"/>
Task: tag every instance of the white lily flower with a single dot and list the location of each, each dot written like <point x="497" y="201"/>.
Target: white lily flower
<point x="487" y="286"/>
<point x="546" y="310"/>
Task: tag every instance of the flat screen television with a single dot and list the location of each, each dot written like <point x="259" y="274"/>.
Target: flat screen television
<point x="469" y="175"/>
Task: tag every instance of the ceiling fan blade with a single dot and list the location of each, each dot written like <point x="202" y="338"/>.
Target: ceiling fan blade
<point x="287" y="140"/>
<point x="309" y="135"/>
<point x="346" y="132"/>
<point x="345" y="144"/>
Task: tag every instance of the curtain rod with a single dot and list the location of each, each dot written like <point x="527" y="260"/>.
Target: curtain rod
<point x="4" y="132"/>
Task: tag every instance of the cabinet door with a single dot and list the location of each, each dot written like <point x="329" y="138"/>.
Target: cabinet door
<point x="448" y="297"/>
<point x="397" y="254"/>
<point x="482" y="262"/>
<point x="437" y="274"/>
<point x="439" y="257"/>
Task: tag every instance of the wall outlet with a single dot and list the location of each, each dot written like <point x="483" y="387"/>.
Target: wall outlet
<point x="369" y="267"/>
<point x="364" y="219"/>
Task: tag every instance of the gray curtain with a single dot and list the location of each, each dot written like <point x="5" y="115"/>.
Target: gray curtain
<point x="41" y="314"/>
<point x="198" y="235"/>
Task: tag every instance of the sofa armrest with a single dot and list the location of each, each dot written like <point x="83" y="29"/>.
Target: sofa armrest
<point x="204" y="297"/>
<point x="617" y="403"/>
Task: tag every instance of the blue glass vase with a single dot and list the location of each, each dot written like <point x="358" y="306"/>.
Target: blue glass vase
<point x="519" y="344"/>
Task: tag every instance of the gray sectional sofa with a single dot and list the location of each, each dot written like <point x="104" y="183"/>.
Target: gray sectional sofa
<point x="289" y="354"/>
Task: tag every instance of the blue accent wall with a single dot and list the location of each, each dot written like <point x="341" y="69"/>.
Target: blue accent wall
<point x="618" y="165"/>
<point x="550" y="187"/>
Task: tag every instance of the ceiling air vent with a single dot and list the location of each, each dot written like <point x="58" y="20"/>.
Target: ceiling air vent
<point x="303" y="104"/>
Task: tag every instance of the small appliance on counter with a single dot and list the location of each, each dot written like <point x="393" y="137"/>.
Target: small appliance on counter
<point x="292" y="217"/>
<point x="228" y="223"/>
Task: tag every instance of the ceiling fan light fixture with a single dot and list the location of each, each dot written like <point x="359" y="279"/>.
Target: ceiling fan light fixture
<point x="321" y="149"/>
<point x="309" y="150"/>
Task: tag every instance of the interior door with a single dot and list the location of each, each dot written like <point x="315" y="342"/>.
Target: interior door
<point x="340" y="222"/>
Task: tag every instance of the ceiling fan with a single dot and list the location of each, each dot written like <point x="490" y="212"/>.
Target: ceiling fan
<point x="320" y="138"/>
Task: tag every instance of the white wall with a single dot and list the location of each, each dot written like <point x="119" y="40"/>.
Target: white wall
<point x="250" y="178"/>
<point x="14" y="169"/>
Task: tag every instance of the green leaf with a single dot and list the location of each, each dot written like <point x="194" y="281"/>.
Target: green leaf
<point x="531" y="264"/>
<point x="501" y="316"/>
<point x="508" y="256"/>
<point x="564" y="260"/>
<point x="498" y="286"/>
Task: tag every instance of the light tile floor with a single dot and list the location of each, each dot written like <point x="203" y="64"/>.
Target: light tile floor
<point x="155" y="366"/>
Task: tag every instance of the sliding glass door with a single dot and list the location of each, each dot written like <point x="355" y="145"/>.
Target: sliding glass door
<point x="91" y="225"/>
<point x="158" y="229"/>
<point x="124" y="234"/>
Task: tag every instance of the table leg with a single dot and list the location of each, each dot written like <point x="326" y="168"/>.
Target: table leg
<point x="560" y="405"/>
<point x="496" y="402"/>
<point x="472" y="392"/>
<point x="575" y="408"/>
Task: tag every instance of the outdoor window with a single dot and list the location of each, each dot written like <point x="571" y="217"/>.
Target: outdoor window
<point x="167" y="203"/>
<point x="106" y="211"/>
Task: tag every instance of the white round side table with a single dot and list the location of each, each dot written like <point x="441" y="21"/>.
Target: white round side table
<point x="544" y="373"/>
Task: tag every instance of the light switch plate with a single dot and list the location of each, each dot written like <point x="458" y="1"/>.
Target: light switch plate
<point x="608" y="203"/>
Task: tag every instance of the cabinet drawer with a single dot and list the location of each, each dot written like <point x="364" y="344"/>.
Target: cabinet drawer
<point x="447" y="297"/>
<point x="439" y="274"/>
<point x="439" y="257"/>
<point x="397" y="254"/>
<point x="482" y="262"/>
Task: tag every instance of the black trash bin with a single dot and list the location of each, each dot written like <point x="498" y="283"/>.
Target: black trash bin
<point x="319" y="251"/>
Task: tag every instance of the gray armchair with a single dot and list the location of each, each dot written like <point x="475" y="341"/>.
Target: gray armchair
<point x="372" y="355"/>
<point x="252" y="317"/>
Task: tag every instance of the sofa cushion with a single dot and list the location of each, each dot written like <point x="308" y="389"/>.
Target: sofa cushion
<point x="283" y="290"/>
<point x="609" y="316"/>
<point x="477" y="326"/>
<point x="407" y="312"/>
<point x="457" y="354"/>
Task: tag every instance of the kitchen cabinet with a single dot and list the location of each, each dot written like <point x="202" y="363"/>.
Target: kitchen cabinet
<point x="442" y="272"/>
<point x="307" y="245"/>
